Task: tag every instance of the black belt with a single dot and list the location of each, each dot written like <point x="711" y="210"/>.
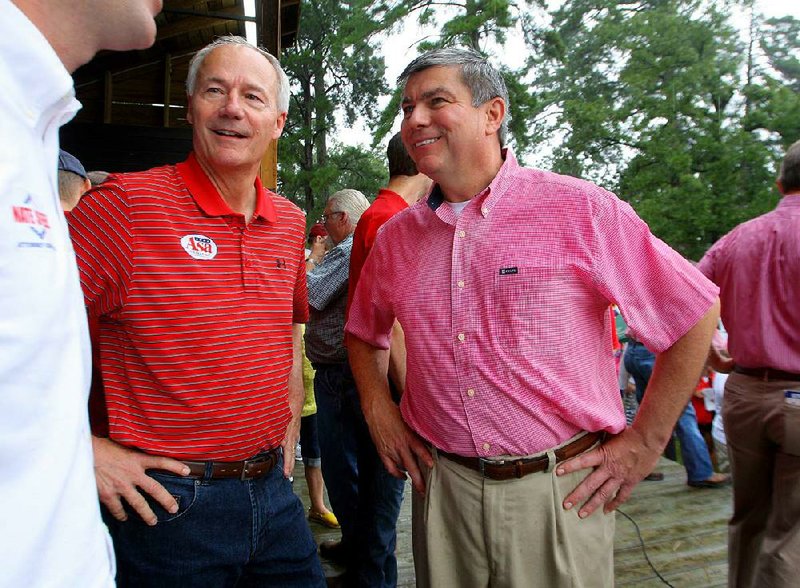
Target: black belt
<point x="767" y="374"/>
<point x="248" y="469"/>
<point x="507" y="469"/>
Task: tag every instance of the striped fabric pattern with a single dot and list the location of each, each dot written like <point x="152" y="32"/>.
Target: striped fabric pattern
<point x="505" y="309"/>
<point x="195" y="310"/>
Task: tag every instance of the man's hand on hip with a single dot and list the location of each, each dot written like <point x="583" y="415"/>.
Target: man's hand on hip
<point x="120" y="474"/>
<point x="398" y="446"/>
<point x="619" y="464"/>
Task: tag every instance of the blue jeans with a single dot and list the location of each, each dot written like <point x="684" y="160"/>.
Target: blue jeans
<point x="225" y="533"/>
<point x="365" y="498"/>
<point x="309" y="441"/>
<point x="639" y="362"/>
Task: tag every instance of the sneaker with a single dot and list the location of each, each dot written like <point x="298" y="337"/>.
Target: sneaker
<point x="326" y="519"/>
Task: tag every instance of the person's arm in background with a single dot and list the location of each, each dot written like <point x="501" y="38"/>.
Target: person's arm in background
<point x="397" y="358"/>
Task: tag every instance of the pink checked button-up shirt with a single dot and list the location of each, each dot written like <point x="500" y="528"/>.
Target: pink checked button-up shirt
<point x="505" y="309"/>
<point x="757" y="267"/>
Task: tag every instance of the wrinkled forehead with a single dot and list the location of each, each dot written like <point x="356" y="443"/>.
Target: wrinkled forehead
<point x="230" y="61"/>
<point x="433" y="79"/>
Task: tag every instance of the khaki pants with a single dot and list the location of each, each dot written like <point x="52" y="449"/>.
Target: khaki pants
<point x="469" y="531"/>
<point x="763" y="434"/>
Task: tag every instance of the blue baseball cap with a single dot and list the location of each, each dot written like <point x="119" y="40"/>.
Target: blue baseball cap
<point x="70" y="163"/>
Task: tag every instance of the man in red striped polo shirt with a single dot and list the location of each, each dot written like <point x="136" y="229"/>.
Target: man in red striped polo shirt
<point x="501" y="280"/>
<point x="196" y="273"/>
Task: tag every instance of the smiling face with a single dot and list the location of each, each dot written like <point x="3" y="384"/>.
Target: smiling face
<point x="443" y="132"/>
<point x="233" y="110"/>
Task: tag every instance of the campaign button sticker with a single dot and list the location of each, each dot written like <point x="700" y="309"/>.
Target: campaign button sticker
<point x="199" y="246"/>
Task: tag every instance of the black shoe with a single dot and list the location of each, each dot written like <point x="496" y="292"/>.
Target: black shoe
<point x="654" y="477"/>
<point x="333" y="550"/>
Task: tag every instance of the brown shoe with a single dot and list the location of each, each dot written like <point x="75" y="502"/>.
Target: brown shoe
<point x="715" y="481"/>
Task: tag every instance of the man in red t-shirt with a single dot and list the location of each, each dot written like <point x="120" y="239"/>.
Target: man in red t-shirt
<point x="406" y="186"/>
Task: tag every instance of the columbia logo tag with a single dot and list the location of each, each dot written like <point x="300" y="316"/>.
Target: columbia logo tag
<point x="199" y="246"/>
<point x="507" y="271"/>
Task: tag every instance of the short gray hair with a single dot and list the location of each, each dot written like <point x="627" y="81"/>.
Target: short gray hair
<point x="483" y="81"/>
<point x="353" y="202"/>
<point x="789" y="174"/>
<point x="281" y="92"/>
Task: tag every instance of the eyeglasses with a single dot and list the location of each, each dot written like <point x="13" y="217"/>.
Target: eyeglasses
<point x="324" y="218"/>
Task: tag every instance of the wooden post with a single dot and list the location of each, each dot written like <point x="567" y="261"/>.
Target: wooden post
<point x="268" y="20"/>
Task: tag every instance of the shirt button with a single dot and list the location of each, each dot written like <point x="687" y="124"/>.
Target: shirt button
<point x="486" y="446"/>
<point x="484" y="211"/>
<point x="461" y="337"/>
<point x="462" y="234"/>
<point x="470" y="392"/>
<point x="461" y="283"/>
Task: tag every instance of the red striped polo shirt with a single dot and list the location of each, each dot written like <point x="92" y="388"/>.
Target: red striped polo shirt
<point x="195" y="310"/>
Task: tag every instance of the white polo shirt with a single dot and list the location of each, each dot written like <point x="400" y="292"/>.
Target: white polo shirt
<point x="51" y="533"/>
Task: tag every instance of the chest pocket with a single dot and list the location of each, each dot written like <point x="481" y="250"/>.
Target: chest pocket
<point x="534" y="307"/>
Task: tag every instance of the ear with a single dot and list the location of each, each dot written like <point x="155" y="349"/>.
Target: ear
<point x="779" y="184"/>
<point x="495" y="114"/>
<point x="189" y="114"/>
<point x="279" y="124"/>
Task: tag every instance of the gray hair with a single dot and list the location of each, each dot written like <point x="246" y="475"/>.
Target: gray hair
<point x="789" y="174"/>
<point x="483" y="81"/>
<point x="353" y="202"/>
<point x="281" y="92"/>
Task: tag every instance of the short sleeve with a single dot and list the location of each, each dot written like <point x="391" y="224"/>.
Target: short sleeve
<point x="100" y="229"/>
<point x="660" y="294"/>
<point x="371" y="314"/>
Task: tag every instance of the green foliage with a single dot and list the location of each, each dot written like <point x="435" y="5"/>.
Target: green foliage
<point x="652" y="103"/>
<point x="334" y="68"/>
<point x="483" y="25"/>
<point x="347" y="167"/>
<point x="781" y="43"/>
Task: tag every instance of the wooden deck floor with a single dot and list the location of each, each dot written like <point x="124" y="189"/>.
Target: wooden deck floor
<point x="684" y="531"/>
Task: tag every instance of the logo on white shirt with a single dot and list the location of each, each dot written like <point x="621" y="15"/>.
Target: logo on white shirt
<point x="199" y="246"/>
<point x="30" y="215"/>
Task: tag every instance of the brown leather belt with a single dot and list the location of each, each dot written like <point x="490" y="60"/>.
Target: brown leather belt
<point x="248" y="469"/>
<point x="508" y="469"/>
<point x="767" y="374"/>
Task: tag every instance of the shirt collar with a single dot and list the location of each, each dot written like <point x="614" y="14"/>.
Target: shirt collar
<point x="38" y="70"/>
<point x="493" y="192"/>
<point x="789" y="201"/>
<point x="208" y="198"/>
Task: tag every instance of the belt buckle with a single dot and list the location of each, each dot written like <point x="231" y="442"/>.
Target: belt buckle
<point x="255" y="461"/>
<point x="482" y="461"/>
<point x="246" y="466"/>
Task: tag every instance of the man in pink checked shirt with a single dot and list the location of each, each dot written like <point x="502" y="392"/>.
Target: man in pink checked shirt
<point x="511" y="426"/>
<point x="757" y="267"/>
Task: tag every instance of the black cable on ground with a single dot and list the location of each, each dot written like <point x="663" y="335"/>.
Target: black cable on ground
<point x="644" y="551"/>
